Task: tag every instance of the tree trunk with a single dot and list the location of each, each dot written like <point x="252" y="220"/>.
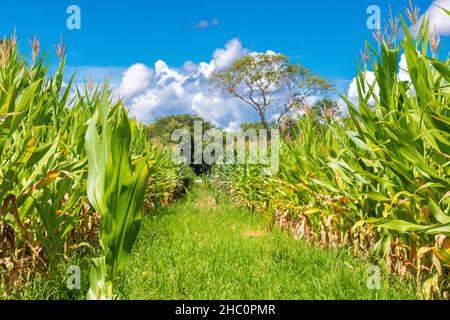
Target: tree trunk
<point x="263" y="121"/>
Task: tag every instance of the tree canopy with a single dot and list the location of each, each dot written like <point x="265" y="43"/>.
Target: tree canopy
<point x="162" y="130"/>
<point x="163" y="127"/>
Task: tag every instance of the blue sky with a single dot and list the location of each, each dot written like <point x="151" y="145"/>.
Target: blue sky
<point x="326" y="36"/>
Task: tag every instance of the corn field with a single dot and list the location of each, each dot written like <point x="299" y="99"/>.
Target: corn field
<point x="75" y="172"/>
<point x="378" y="181"/>
<point x="78" y="173"/>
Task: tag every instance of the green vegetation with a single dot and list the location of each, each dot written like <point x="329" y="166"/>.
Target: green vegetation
<point x="376" y="181"/>
<point x="116" y="193"/>
<point x="198" y="250"/>
<point x="81" y="182"/>
<point x="161" y="130"/>
<point x="268" y="82"/>
<point x="51" y="160"/>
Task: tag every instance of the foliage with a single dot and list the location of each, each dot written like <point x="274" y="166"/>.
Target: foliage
<point x="167" y="180"/>
<point x="377" y="181"/>
<point x="161" y="132"/>
<point x="43" y="209"/>
<point x="116" y="192"/>
<point x="162" y="128"/>
<point x="45" y="214"/>
<point x="269" y="82"/>
<point x="326" y="108"/>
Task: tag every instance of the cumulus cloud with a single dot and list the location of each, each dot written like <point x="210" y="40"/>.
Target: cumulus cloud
<point x="203" y="24"/>
<point x="135" y="80"/>
<point x="162" y="90"/>
<point x="225" y="57"/>
<point x="439" y="17"/>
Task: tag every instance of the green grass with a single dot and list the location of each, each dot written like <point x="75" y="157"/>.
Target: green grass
<point x="193" y="250"/>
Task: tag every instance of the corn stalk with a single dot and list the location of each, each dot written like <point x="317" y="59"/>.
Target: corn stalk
<point x="116" y="190"/>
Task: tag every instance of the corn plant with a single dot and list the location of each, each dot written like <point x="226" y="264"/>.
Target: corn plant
<point x="44" y="212"/>
<point x="167" y="180"/>
<point x="406" y="135"/>
<point x="39" y="163"/>
<point x="378" y="180"/>
<point x="116" y="190"/>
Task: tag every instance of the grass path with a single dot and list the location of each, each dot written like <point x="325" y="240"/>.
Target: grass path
<point x="195" y="250"/>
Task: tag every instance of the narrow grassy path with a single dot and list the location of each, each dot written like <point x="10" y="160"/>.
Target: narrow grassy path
<point x="195" y="250"/>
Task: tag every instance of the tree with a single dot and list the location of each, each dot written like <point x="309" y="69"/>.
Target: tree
<point x="270" y="82"/>
<point x="245" y="126"/>
<point x="162" y="130"/>
<point x="326" y="108"/>
<point x="300" y="88"/>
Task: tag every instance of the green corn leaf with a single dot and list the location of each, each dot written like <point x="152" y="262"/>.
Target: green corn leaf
<point x="446" y="11"/>
<point x="402" y="226"/>
<point x="441" y="67"/>
<point x="376" y="196"/>
<point x="116" y="192"/>
<point x="437" y="213"/>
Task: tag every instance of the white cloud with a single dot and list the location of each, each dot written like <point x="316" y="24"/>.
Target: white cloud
<point x="221" y="111"/>
<point x="150" y="93"/>
<point x="203" y="24"/>
<point x="165" y="74"/>
<point x="233" y="126"/>
<point x="225" y="57"/>
<point x="135" y="80"/>
<point x="439" y="18"/>
<point x="159" y="101"/>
